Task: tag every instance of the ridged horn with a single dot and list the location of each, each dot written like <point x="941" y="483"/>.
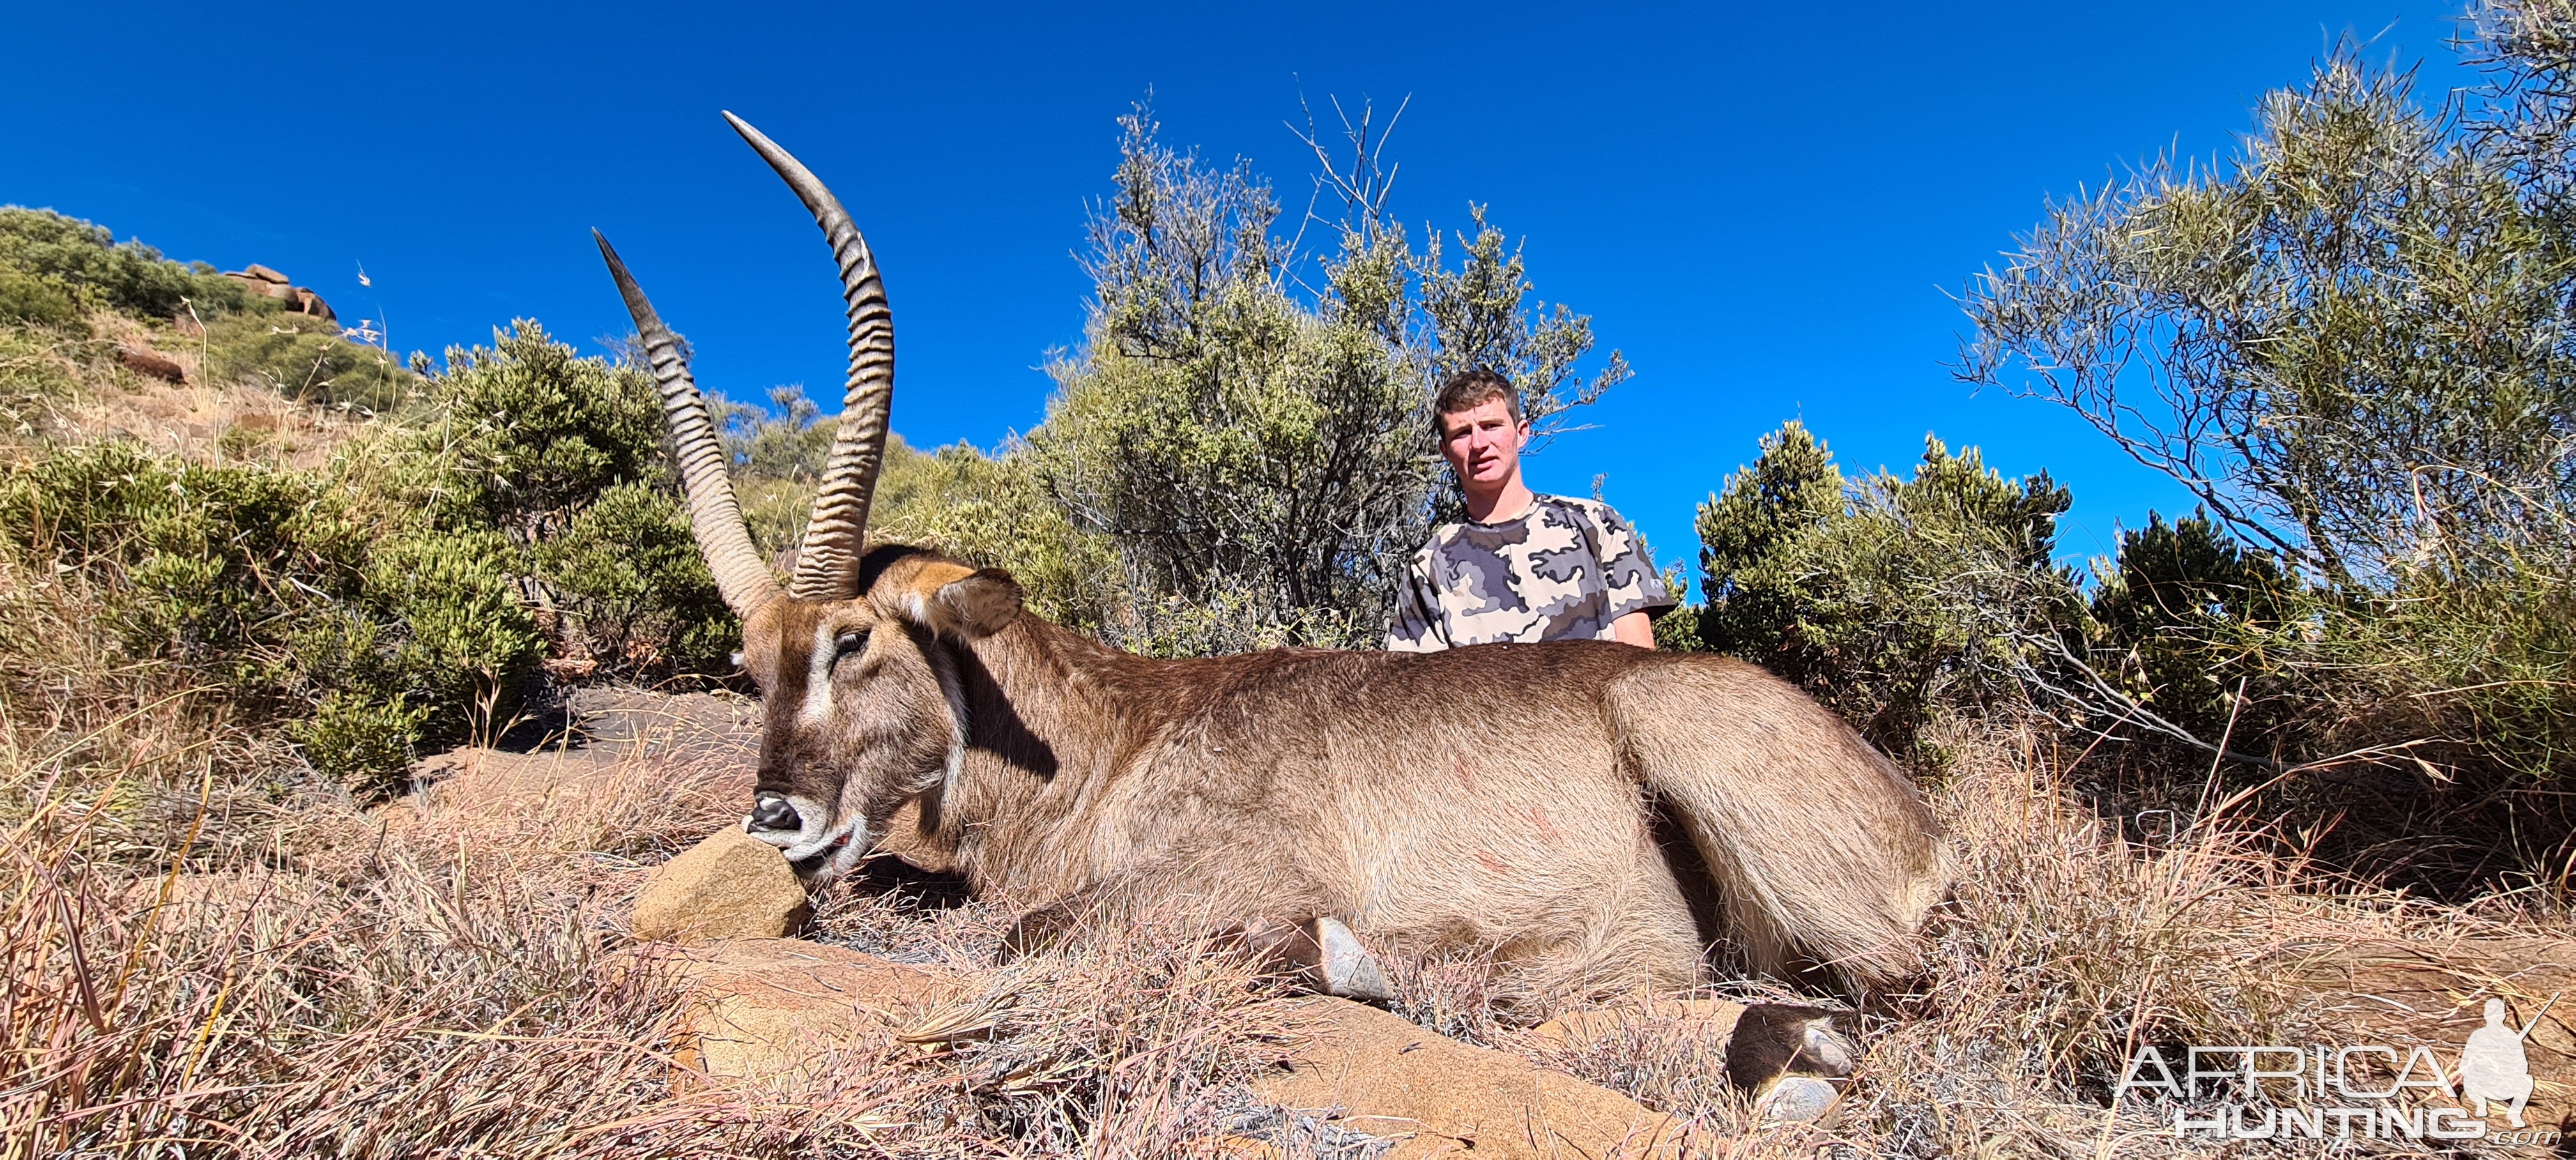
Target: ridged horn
<point x="827" y="563"/>
<point x="714" y="517"/>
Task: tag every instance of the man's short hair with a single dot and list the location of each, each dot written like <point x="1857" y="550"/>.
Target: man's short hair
<point x="1468" y="390"/>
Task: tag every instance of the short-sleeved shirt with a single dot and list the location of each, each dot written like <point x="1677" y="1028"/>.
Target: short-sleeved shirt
<point x="1562" y="569"/>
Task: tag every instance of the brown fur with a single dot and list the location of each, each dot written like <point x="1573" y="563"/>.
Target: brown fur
<point x="1498" y="797"/>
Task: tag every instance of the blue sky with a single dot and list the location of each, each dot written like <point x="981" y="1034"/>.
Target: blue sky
<point x="1767" y="207"/>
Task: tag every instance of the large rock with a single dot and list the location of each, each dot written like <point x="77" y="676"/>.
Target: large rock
<point x="764" y="1011"/>
<point x="730" y="885"/>
<point x="1391" y="1078"/>
<point x="1708" y="1019"/>
<point x="305" y="301"/>
<point x="146" y="361"/>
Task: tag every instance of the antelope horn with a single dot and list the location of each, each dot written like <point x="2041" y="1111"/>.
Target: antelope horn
<point x="827" y="563"/>
<point x="714" y="518"/>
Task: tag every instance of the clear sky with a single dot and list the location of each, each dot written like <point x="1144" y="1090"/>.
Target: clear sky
<point x="1766" y="206"/>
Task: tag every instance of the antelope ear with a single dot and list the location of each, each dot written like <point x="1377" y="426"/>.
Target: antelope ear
<point x="951" y="599"/>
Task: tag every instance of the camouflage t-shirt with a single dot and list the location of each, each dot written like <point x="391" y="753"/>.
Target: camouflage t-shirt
<point x="1563" y="569"/>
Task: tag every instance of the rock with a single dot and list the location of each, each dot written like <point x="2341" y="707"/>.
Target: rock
<point x="259" y="273"/>
<point x="1711" y="1019"/>
<point x="143" y="361"/>
<point x="1391" y="1078"/>
<point x="305" y="301"/>
<point x="730" y="885"/>
<point x="1797" y="1099"/>
<point x="766" y="1010"/>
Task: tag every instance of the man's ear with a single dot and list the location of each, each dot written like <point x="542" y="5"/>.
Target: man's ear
<point x="949" y="599"/>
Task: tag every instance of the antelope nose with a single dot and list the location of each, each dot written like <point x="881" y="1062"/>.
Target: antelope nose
<point x="773" y="813"/>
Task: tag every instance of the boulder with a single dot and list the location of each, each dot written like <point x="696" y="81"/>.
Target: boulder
<point x="152" y="363"/>
<point x="259" y="273"/>
<point x="304" y="301"/>
<point x="767" y="1010"/>
<point x="731" y="885"/>
<point x="1710" y="1019"/>
<point x="1388" y="1077"/>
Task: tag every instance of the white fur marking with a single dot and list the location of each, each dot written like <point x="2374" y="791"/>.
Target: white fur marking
<point x="818" y="678"/>
<point x="946" y="666"/>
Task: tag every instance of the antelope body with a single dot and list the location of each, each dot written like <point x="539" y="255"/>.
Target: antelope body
<point x="1496" y="798"/>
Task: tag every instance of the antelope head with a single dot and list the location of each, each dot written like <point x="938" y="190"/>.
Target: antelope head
<point x="856" y="655"/>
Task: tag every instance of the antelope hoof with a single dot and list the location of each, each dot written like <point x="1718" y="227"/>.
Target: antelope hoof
<point x="1772" y="1040"/>
<point x="1349" y="970"/>
<point x="1320" y="953"/>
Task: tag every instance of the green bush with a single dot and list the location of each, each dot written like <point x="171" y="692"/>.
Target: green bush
<point x="1233" y="433"/>
<point x="359" y="741"/>
<point x="2186" y="615"/>
<point x="634" y="588"/>
<point x="275" y="587"/>
<point x="36" y="300"/>
<point x="86" y="261"/>
<point x="2349" y="342"/>
<point x="1889" y="599"/>
<point x="305" y="359"/>
<point x="526" y="430"/>
<point x="463" y="637"/>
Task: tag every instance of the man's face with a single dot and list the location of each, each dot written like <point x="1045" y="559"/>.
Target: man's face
<point x="1482" y="443"/>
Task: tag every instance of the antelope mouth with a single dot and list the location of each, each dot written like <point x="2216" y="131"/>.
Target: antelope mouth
<point x="821" y="858"/>
<point x="811" y="862"/>
<point x="811" y="839"/>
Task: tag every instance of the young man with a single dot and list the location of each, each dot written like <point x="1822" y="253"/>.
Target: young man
<point x="1522" y="566"/>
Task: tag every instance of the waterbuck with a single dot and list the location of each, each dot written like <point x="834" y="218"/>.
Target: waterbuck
<point x="1499" y="798"/>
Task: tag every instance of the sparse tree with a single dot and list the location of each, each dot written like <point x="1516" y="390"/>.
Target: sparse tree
<point x="2354" y="343"/>
<point x="1244" y="439"/>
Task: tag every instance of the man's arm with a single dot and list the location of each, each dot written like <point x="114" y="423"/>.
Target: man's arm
<point x="1635" y="592"/>
<point x="1416" y="626"/>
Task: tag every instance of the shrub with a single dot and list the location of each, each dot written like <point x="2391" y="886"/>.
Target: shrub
<point x="358" y="741"/>
<point x="527" y="431"/>
<point x="463" y="638"/>
<point x="1889" y="599"/>
<point x="637" y="593"/>
<point x="304" y="358"/>
<point x="2185" y="617"/>
<point x="270" y="586"/>
<point x="85" y="261"/>
<point x="36" y="300"/>
<point x="995" y="510"/>
<point x="1232" y="434"/>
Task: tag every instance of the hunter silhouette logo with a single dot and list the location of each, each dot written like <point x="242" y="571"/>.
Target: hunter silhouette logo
<point x="2355" y="1091"/>
<point x="2493" y="1067"/>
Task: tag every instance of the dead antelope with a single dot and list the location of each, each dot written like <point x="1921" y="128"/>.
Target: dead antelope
<point x="1496" y="798"/>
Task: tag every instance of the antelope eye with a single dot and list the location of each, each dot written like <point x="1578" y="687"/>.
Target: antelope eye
<point x="848" y="643"/>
